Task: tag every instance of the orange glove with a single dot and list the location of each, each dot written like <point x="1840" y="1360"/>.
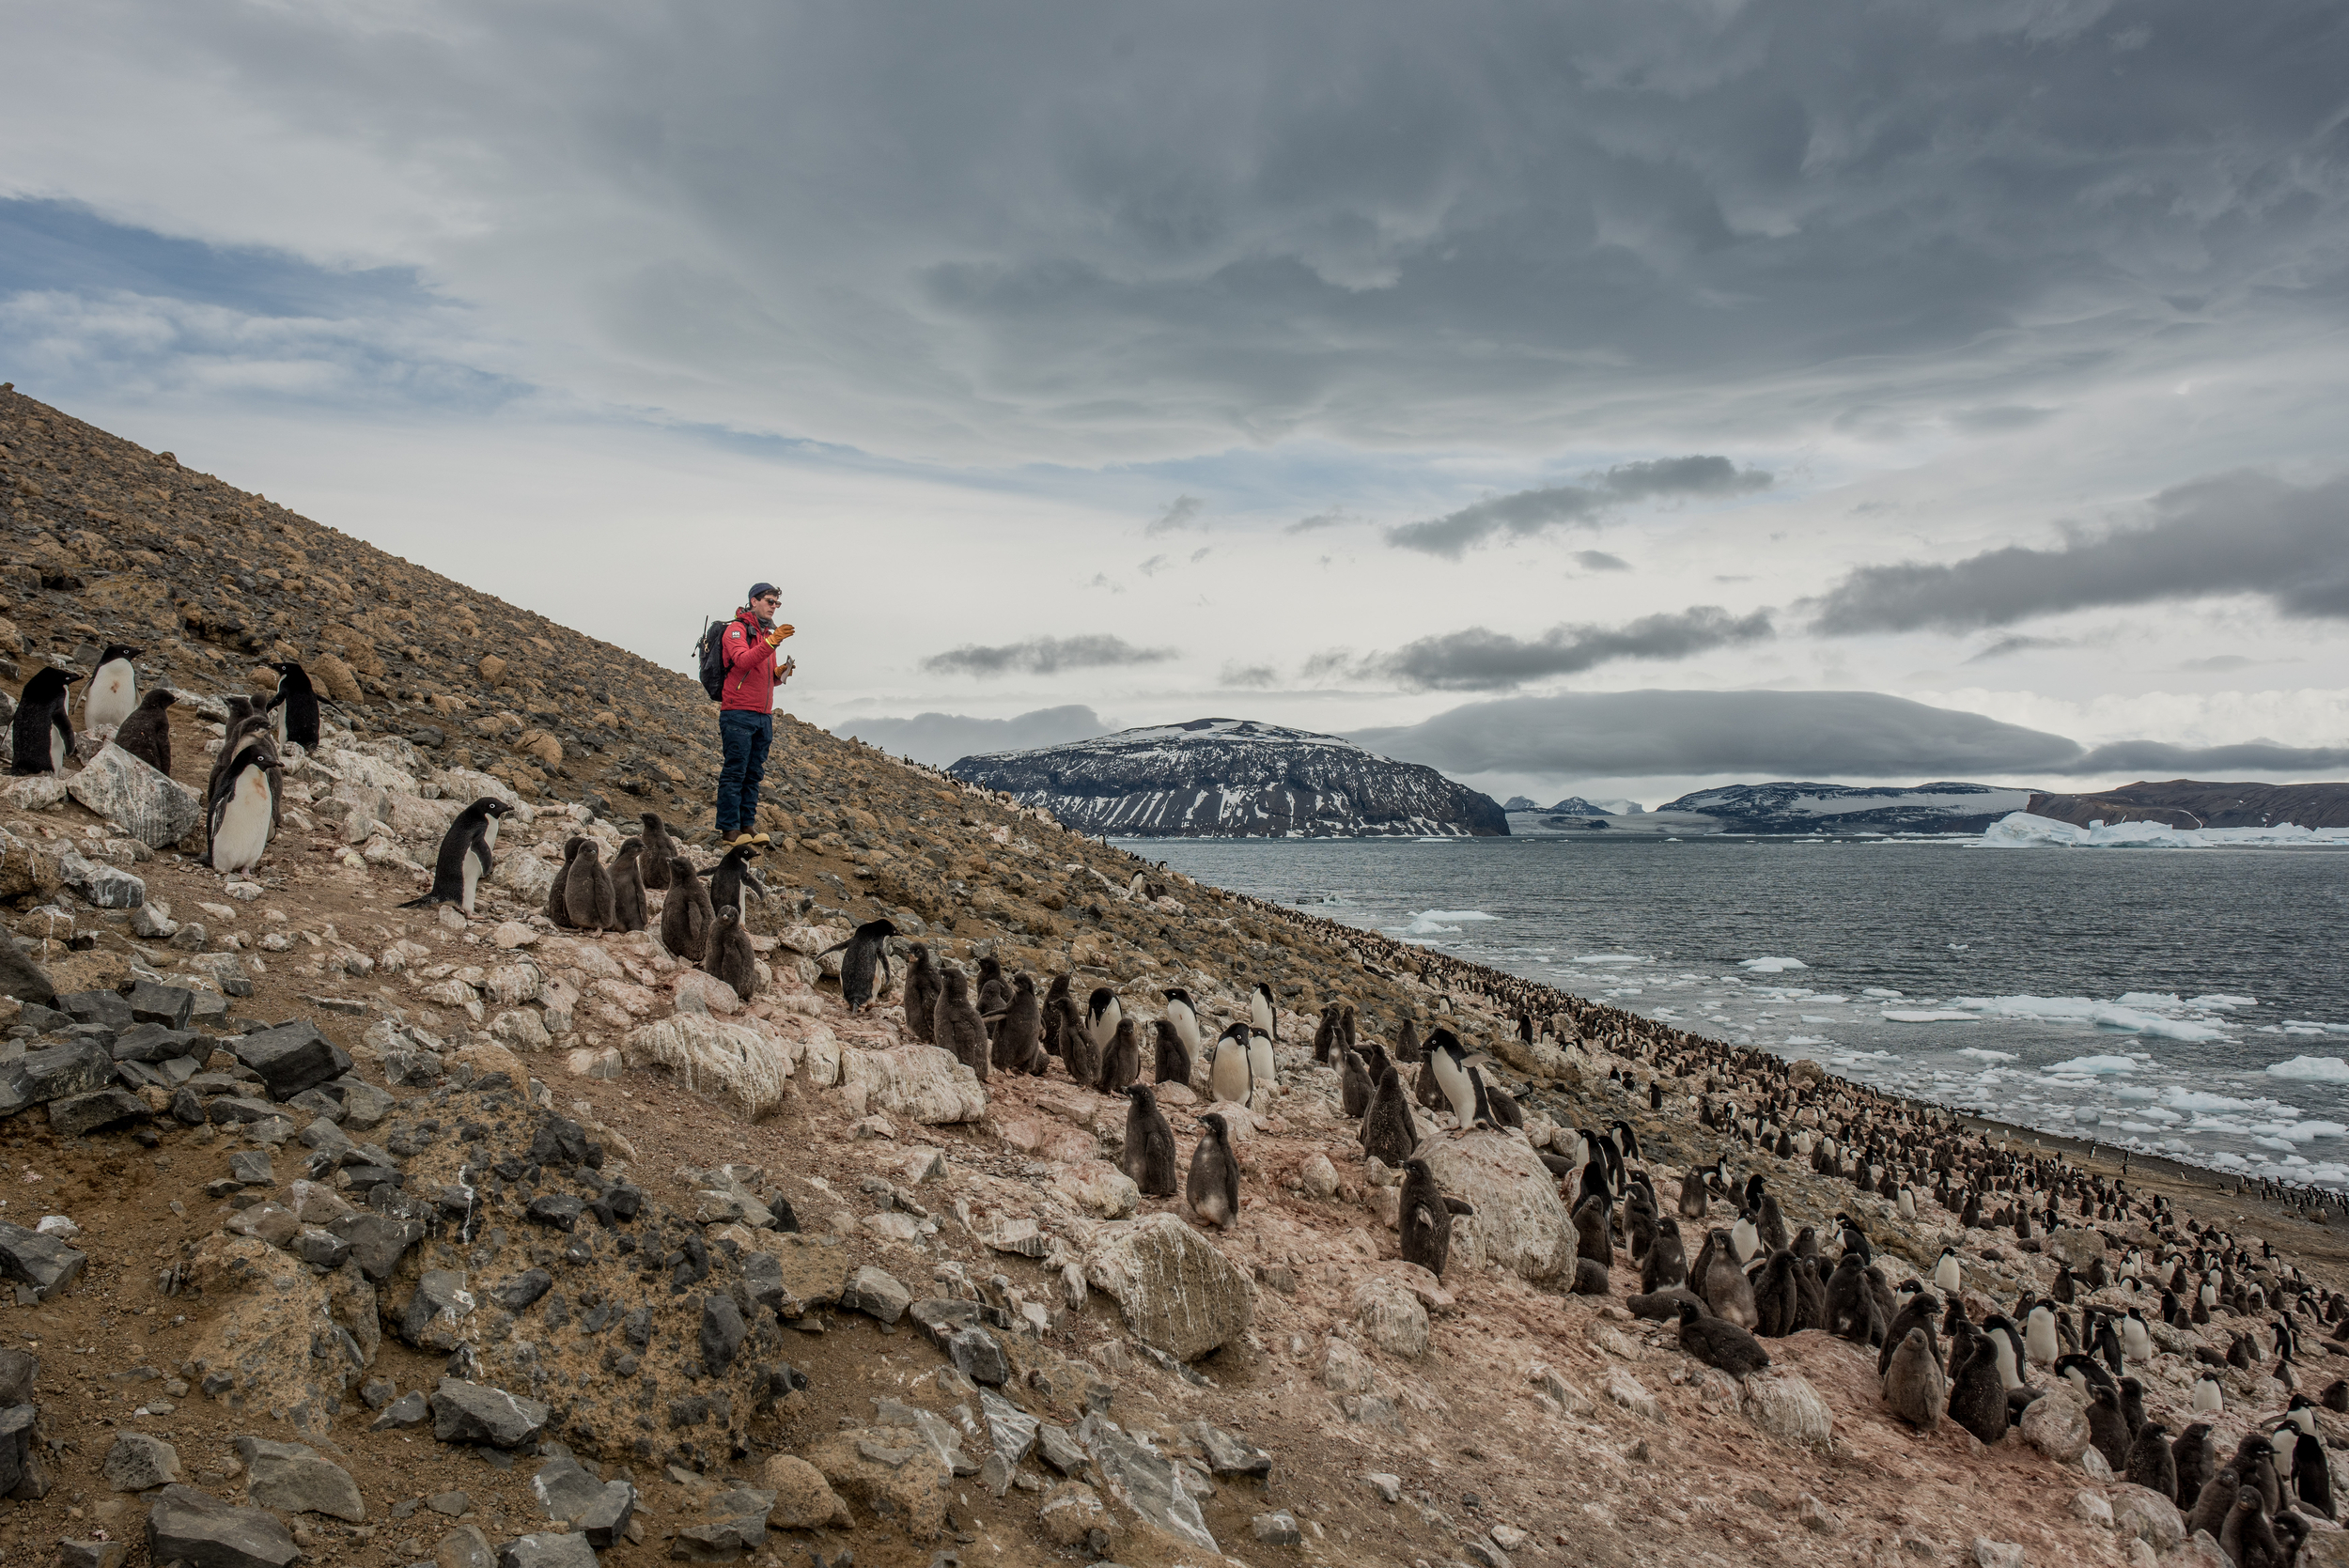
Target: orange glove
<point x="779" y="634"/>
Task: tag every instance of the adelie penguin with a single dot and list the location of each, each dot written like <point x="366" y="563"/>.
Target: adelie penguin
<point x="147" y="733"/>
<point x="1213" y="1188"/>
<point x="686" y="914"/>
<point x="1148" y="1157"/>
<point x="1425" y="1218"/>
<point x="1913" y="1384"/>
<point x="1103" y="1013"/>
<point x="1120" y="1061"/>
<point x="659" y="849"/>
<point x="730" y="957"/>
<point x="243" y="816"/>
<point x="1173" y="1063"/>
<point x="863" y="955"/>
<point x="112" y="694"/>
<point x="1354" y="1085"/>
<point x="1261" y="1071"/>
<point x="1229" y="1075"/>
<point x="1262" y="1014"/>
<point x="1719" y="1343"/>
<point x="1448" y="1059"/>
<point x="735" y="879"/>
<point x="628" y="886"/>
<point x="465" y="859"/>
<point x="1388" y="1133"/>
<point x="1019" y="1044"/>
<point x="956" y="1028"/>
<point x="1183" y="1018"/>
<point x="587" y="898"/>
<point x="921" y="986"/>
<point x="294" y="706"/>
<point x="41" y="735"/>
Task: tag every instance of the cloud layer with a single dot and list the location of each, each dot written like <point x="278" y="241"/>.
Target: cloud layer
<point x="1044" y="656"/>
<point x="940" y="738"/>
<point x="1482" y="660"/>
<point x="2232" y="534"/>
<point x="1527" y="513"/>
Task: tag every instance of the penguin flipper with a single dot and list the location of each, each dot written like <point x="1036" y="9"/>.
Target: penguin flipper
<point x="426" y="901"/>
<point x="1459" y="1206"/>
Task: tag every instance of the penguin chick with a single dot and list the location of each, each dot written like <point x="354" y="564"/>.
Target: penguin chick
<point x="1719" y="1343"/>
<point x="728" y="955"/>
<point x="1388" y="1132"/>
<point x="1019" y="1045"/>
<point x="921" y="987"/>
<point x="1913" y="1385"/>
<point x="628" y="886"/>
<point x="1120" y="1061"/>
<point x="146" y="734"/>
<point x="587" y="890"/>
<point x="659" y="849"/>
<point x="1148" y="1157"/>
<point x="686" y="914"/>
<point x="1172" y="1057"/>
<point x="1426" y="1215"/>
<point x="1213" y="1188"/>
<point x="956" y="1027"/>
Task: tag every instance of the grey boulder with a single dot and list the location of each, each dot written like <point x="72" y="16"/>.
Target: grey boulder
<point x="198" y="1528"/>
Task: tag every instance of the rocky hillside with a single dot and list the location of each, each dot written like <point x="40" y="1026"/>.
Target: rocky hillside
<point x="1233" y="778"/>
<point x="2189" y="804"/>
<point x="1810" y="808"/>
<point x="348" y="1233"/>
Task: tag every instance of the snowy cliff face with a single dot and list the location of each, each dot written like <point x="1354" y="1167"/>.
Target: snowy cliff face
<point x="1811" y="808"/>
<point x="1235" y="778"/>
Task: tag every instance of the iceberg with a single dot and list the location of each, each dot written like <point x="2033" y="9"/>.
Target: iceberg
<point x="1771" y="966"/>
<point x="2022" y="831"/>
<point x="2093" y="1065"/>
<point x="2314" y="1069"/>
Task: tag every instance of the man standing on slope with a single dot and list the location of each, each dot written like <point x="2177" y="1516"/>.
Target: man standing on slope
<point x="746" y="716"/>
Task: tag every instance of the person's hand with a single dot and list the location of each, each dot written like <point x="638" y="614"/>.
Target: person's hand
<point x="779" y="634"/>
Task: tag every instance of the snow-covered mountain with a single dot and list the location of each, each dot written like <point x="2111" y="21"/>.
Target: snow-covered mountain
<point x="1809" y="808"/>
<point x="1235" y="778"/>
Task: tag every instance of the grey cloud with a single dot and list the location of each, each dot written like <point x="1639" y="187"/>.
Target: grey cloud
<point x="2232" y="533"/>
<point x="2153" y="759"/>
<point x="2220" y="663"/>
<point x="1710" y="477"/>
<point x="1183" y="513"/>
<point x="2006" y="647"/>
<point x="1599" y="560"/>
<point x="1531" y="511"/>
<point x="1330" y="519"/>
<point x="1154" y="566"/>
<point x="940" y="738"/>
<point x="1784" y="734"/>
<point x="1261" y="676"/>
<point x="1044" y="656"/>
<point x="1525" y="512"/>
<point x="1120" y="234"/>
<point x="1482" y="660"/>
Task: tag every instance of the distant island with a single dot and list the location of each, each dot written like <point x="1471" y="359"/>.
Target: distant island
<point x="1235" y="778"/>
<point x="1950" y="807"/>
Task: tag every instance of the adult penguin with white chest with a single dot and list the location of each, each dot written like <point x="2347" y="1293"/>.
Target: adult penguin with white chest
<point x="41" y="735"/>
<point x="294" y="705"/>
<point x="1262" y="1074"/>
<point x="464" y="857"/>
<point x="1229" y="1075"/>
<point x="1448" y="1059"/>
<point x="736" y="879"/>
<point x="1183" y="1018"/>
<point x="1103" y="1013"/>
<point x="1262" y="1014"/>
<point x="729" y="955"/>
<point x="244" y="813"/>
<point x="866" y="953"/>
<point x="112" y="694"/>
<point x="1425" y="1218"/>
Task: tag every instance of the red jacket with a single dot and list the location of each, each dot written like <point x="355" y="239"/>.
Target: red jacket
<point x="750" y="665"/>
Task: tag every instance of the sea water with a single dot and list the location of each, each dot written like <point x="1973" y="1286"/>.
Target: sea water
<point x="2192" y="1004"/>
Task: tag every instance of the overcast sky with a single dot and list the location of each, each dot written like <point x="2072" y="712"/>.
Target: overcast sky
<point x="1512" y="383"/>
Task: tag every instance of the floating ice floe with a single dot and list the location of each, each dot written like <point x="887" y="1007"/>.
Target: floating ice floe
<point x="1978" y="1054"/>
<point x="2315" y="1069"/>
<point x="1771" y="966"/>
<point x="1436" y="922"/>
<point x="2103" y="1015"/>
<point x="1929" y="1015"/>
<point x="2022" y="831"/>
<point x="1612" y="958"/>
<point x="2093" y="1066"/>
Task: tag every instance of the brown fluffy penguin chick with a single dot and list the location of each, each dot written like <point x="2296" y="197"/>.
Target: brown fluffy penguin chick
<point x="146" y="732"/>
<point x="1388" y="1134"/>
<point x="2213" y="1503"/>
<point x="686" y="915"/>
<point x="1719" y="1343"/>
<point x="2246" y="1537"/>
<point x="628" y="886"/>
<point x="1173" y="1064"/>
<point x="1915" y="1387"/>
<point x="2151" y="1462"/>
<point x="1427" y="1092"/>
<point x="1354" y="1085"/>
<point x="1213" y="1189"/>
<point x="587" y="890"/>
<point x="956" y="1027"/>
<point x="1667" y="1261"/>
<point x="659" y="849"/>
<point x="1076" y="1043"/>
<point x="1019" y="1045"/>
<point x="1120" y="1063"/>
<point x="921" y="998"/>
<point x="558" y="907"/>
<point x="1725" y="1287"/>
<point x="729" y="953"/>
<point x="1149" y="1153"/>
<point x="1426" y="1218"/>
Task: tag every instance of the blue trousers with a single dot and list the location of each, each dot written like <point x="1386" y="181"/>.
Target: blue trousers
<point x="745" y="738"/>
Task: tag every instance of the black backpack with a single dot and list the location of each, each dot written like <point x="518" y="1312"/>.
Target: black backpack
<point x="711" y="652"/>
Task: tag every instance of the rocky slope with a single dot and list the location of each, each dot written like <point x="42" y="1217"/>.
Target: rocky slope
<point x="349" y="1233"/>
<point x="1233" y="778"/>
<point x="2189" y="804"/>
<point x="1810" y="808"/>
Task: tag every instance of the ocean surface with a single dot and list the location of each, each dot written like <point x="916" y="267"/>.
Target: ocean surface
<point x="2193" y="1003"/>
